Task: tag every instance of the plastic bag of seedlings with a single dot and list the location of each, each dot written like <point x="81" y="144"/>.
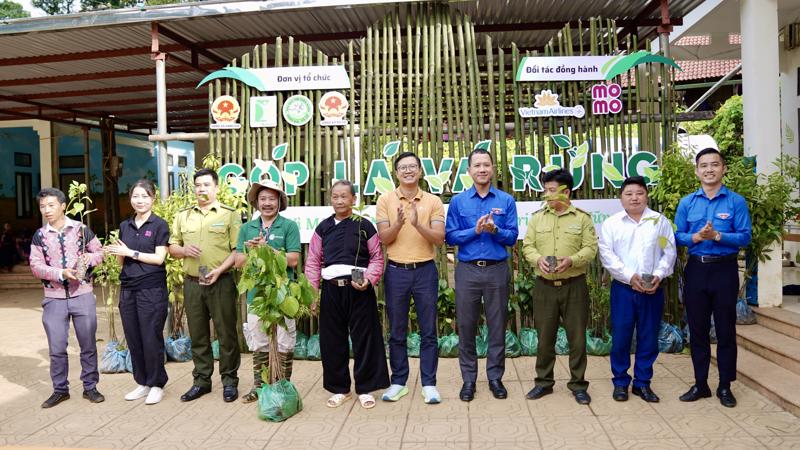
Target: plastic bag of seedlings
<point x="300" y="346"/>
<point x="215" y="349"/>
<point x="670" y="339"/>
<point x="448" y="346"/>
<point x="513" y="347"/>
<point x="529" y="341"/>
<point x="278" y="401"/>
<point x="179" y="348"/>
<point x="744" y="313"/>
<point x="598" y="346"/>
<point x="312" y="348"/>
<point x="413" y="342"/>
<point x="113" y="358"/>
<point x="562" y="345"/>
<point x="482" y="341"/>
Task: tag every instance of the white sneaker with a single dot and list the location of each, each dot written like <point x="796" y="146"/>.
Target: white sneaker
<point x="155" y="395"/>
<point x="136" y="394"/>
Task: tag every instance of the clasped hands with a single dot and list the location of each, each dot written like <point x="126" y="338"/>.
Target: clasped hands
<point x="485" y="224"/>
<point x="707" y="233"/>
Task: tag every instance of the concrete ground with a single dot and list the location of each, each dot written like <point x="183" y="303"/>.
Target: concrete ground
<point x="555" y="421"/>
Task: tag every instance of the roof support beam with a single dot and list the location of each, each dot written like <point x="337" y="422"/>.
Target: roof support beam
<point x="98" y="76"/>
<point x="189" y="45"/>
<point x="107" y="91"/>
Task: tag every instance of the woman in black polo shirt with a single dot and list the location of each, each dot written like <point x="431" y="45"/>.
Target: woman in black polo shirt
<point x="144" y="298"/>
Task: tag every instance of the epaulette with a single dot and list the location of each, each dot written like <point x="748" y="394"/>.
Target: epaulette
<point x="224" y="206"/>
<point x="585" y="212"/>
<point x="187" y="208"/>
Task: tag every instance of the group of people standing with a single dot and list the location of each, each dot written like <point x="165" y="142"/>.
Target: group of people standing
<point x="345" y="262"/>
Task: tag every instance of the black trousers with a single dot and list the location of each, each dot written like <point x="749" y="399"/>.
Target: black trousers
<point x="347" y="311"/>
<point x="712" y="288"/>
<point x="143" y="313"/>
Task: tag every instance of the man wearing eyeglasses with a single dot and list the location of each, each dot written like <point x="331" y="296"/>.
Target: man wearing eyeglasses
<point x="411" y="225"/>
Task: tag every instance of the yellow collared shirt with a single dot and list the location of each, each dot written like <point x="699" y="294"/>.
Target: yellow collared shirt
<point x="215" y="231"/>
<point x="410" y="246"/>
<point x="569" y="234"/>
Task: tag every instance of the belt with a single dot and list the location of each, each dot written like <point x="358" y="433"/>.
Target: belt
<point x="485" y="262"/>
<point x="339" y="282"/>
<point x="710" y="259"/>
<point x="410" y="266"/>
<point x="197" y="279"/>
<point x="558" y="283"/>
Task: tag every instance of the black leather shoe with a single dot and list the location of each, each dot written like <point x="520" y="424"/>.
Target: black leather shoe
<point x="726" y="398"/>
<point x="230" y="393"/>
<point x="55" y="399"/>
<point x="646" y="394"/>
<point x="194" y="393"/>
<point x="695" y="393"/>
<point x="538" y="392"/>
<point x="620" y="393"/>
<point x="582" y="397"/>
<point x="498" y="390"/>
<point x="94" y="396"/>
<point x="467" y="392"/>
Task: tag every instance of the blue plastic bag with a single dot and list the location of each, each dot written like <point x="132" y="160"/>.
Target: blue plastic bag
<point x="744" y="313"/>
<point x="529" y="341"/>
<point x="598" y="346"/>
<point x="513" y="347"/>
<point x="562" y="344"/>
<point x="448" y="346"/>
<point x="300" y="346"/>
<point x="113" y="359"/>
<point x="413" y="342"/>
<point x="312" y="348"/>
<point x="178" y="348"/>
<point x="670" y="339"/>
<point x="215" y="349"/>
<point x="278" y="401"/>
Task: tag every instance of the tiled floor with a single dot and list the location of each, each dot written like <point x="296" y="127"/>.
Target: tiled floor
<point x="555" y="421"/>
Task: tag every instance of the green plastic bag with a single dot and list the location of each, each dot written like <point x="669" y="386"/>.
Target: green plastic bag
<point x="513" y="348"/>
<point x="482" y="341"/>
<point x="215" y="349"/>
<point x="448" y="346"/>
<point x="300" y="346"/>
<point x="529" y="341"/>
<point x="598" y="346"/>
<point x="312" y="348"/>
<point x="278" y="401"/>
<point x="562" y="345"/>
<point x="412" y="343"/>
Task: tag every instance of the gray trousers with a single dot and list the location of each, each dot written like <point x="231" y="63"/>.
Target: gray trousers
<point x="490" y="284"/>
<point x="55" y="318"/>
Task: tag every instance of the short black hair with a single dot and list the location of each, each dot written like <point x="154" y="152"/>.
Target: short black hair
<point x="637" y="180"/>
<point x="345" y="183"/>
<point x="145" y="184"/>
<point x="561" y="176"/>
<point x="52" y="192"/>
<point x="708" y="151"/>
<point x="479" y="151"/>
<point x="406" y="155"/>
<point x="204" y="171"/>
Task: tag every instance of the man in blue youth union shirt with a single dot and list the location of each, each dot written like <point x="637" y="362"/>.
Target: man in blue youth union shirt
<point x="482" y="222"/>
<point x="714" y="223"/>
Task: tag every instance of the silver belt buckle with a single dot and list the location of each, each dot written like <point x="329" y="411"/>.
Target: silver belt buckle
<point x="481" y="263"/>
<point x="703" y="259"/>
<point x="557" y="283"/>
<point x="341" y="283"/>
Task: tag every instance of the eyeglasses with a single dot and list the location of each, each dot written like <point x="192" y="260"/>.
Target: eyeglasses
<point x="408" y="168"/>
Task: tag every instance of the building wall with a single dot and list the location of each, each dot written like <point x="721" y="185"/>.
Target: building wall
<point x="790" y="115"/>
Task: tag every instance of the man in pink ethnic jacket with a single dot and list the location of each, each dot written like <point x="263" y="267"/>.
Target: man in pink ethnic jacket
<point x="55" y="250"/>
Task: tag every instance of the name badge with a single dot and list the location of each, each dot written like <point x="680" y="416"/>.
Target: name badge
<point x="723" y="216"/>
<point x="498" y="211"/>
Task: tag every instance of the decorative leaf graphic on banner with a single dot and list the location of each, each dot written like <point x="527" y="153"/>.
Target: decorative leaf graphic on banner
<point x="611" y="172"/>
<point x="390" y="149"/>
<point x="578" y="161"/>
<point x="466" y="180"/>
<point x="384" y="185"/>
<point x="654" y="174"/>
<point x="518" y="173"/>
<point x="533" y="181"/>
<point x="583" y="149"/>
<point x="634" y="59"/>
<point x="289" y="178"/>
<point x="280" y="151"/>
<point x="237" y="73"/>
<point x="435" y="182"/>
<point x="483" y="145"/>
<point x="445" y="177"/>
<point x="611" y="61"/>
<point x="561" y="140"/>
<point x="550" y="168"/>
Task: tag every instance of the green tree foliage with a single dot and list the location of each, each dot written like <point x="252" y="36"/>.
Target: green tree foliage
<point x="89" y="5"/>
<point x="53" y="7"/>
<point x="728" y="128"/>
<point x="12" y="10"/>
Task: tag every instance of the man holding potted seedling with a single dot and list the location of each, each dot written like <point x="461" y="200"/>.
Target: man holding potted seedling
<point x="714" y="223"/>
<point x="560" y="243"/>
<point x="637" y="247"/>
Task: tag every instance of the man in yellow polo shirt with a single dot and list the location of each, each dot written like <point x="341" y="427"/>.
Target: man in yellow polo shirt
<point x="205" y="237"/>
<point x="411" y="225"/>
<point x="560" y="243"/>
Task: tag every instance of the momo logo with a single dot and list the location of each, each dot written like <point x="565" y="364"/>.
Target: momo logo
<point x="605" y="98"/>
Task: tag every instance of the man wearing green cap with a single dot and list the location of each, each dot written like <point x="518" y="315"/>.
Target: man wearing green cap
<point x="281" y="234"/>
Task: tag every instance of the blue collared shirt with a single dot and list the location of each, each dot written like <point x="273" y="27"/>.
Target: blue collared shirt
<point x="463" y="213"/>
<point x="728" y="214"/>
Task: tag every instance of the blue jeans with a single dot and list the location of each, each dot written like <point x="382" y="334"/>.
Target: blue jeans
<point x="422" y="284"/>
<point x="632" y="310"/>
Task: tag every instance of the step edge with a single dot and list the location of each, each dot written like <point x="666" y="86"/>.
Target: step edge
<point x="775" y="336"/>
<point x="767" y="382"/>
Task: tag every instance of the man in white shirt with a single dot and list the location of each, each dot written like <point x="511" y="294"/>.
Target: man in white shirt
<point x="637" y="247"/>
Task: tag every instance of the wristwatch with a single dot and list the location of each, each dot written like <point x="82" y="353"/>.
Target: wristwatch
<point x="136" y="255"/>
<point x="718" y="237"/>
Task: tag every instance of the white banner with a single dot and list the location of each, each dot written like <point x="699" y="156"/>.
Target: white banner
<point x="308" y="217"/>
<point x="562" y="68"/>
<point x="303" y="77"/>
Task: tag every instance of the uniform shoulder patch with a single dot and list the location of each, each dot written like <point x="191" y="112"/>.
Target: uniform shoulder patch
<point x="583" y="211"/>
<point x="224" y="206"/>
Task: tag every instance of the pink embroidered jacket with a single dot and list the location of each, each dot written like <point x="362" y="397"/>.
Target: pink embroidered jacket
<point x="51" y="252"/>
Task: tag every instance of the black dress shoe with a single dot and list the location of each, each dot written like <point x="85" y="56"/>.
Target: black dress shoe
<point x="646" y="394"/>
<point x="194" y="393"/>
<point x="695" y="393"/>
<point x="498" y="390"/>
<point x="582" y="397"/>
<point x="467" y="393"/>
<point x="55" y="399"/>
<point x="230" y="393"/>
<point x="620" y="393"/>
<point x="94" y="396"/>
<point x="538" y="392"/>
<point x="726" y="397"/>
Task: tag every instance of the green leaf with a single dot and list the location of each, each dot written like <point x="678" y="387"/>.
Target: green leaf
<point x="518" y="173"/>
<point x="290" y="306"/>
<point x="391" y="149"/>
<point x="611" y="172"/>
<point x="582" y="149"/>
<point x="289" y="178"/>
<point x="383" y="185"/>
<point x="279" y="151"/>
<point x="662" y="242"/>
<point x="466" y="180"/>
<point x="533" y="181"/>
<point x="634" y="59"/>
<point x="483" y="145"/>
<point x="435" y="183"/>
<point x="561" y="140"/>
<point x="550" y="168"/>
<point x="445" y="177"/>
<point x="652" y="173"/>
<point x="579" y="161"/>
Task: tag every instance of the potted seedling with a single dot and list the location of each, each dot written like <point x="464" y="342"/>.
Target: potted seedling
<point x="78" y="206"/>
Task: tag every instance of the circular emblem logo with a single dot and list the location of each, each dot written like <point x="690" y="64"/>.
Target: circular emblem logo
<point x="225" y="109"/>
<point x="333" y="105"/>
<point x="297" y="110"/>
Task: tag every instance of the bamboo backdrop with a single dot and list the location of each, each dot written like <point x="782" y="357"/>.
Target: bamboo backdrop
<point x="421" y="76"/>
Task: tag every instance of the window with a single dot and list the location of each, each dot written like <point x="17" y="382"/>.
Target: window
<point x="182" y="161"/>
<point x="22" y="159"/>
<point x="24" y="195"/>
<point x="70" y="162"/>
<point x="171" y="184"/>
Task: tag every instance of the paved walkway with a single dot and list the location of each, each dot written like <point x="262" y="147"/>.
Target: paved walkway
<point x="555" y="421"/>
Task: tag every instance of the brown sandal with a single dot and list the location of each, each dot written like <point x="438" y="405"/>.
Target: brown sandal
<point x="250" y="397"/>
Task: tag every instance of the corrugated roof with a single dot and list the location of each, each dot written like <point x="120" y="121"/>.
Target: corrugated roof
<point x="103" y="56"/>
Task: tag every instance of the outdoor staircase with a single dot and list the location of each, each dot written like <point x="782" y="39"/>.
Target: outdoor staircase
<point x="20" y="278"/>
<point x="769" y="356"/>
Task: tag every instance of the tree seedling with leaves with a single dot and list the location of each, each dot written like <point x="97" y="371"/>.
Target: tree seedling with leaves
<point x="78" y="206"/>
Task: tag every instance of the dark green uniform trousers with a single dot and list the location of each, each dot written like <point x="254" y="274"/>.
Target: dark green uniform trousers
<point x="568" y="304"/>
<point x="218" y="303"/>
